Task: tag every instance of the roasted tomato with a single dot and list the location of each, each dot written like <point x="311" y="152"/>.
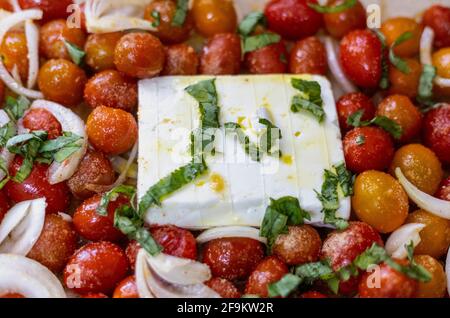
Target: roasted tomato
<point x="42" y="119"/>
<point x="420" y="165"/>
<point x="350" y="103"/>
<point x="6" y="5"/>
<point x="14" y="51"/>
<point x="313" y="294"/>
<point x="441" y="59"/>
<point x="4" y="205"/>
<point x="405" y="84"/>
<point x="96" y="267"/>
<point x="99" y="50"/>
<point x="53" y="36"/>
<point x="367" y="148"/>
<point x="55" y="245"/>
<point x="386" y="282"/>
<point x="139" y="55"/>
<point x="438" y="18"/>
<point x="293" y="19"/>
<point x="271" y="59"/>
<point x="223" y="287"/>
<point x="340" y="23"/>
<point x="166" y="31"/>
<point x="214" y="16"/>
<point x="131" y="252"/>
<point x="241" y="257"/>
<point x="268" y="271"/>
<point x="62" y="81"/>
<point x="436" y="132"/>
<point x="300" y="245"/>
<point x="221" y="55"/>
<point x="181" y="59"/>
<point x="380" y="201"/>
<point x="52" y="9"/>
<point x="175" y="241"/>
<point x="37" y="186"/>
<point x="360" y="56"/>
<point x="126" y="288"/>
<point x="437" y="286"/>
<point x="394" y="28"/>
<point x="112" y="89"/>
<point x="443" y="192"/>
<point x="111" y="130"/>
<point x="308" y="56"/>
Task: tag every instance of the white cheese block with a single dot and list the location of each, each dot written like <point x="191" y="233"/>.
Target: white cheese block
<point x="236" y="190"/>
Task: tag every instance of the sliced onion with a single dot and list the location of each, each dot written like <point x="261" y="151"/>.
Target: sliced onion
<point x="426" y="48"/>
<point x="22" y="275"/>
<point x="119" y="165"/>
<point x="395" y="244"/>
<point x="15" y="74"/>
<point x="425" y="201"/>
<point x="141" y="274"/>
<point x="15" y="5"/>
<point x="447" y="270"/>
<point x="32" y="35"/>
<point x="5" y="155"/>
<point x="66" y="217"/>
<point x="335" y="67"/>
<point x="230" y="231"/>
<point x="70" y="122"/>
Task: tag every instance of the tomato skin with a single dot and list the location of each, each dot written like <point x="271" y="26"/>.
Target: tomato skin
<point x="181" y="59"/>
<point x="313" y="294"/>
<point x="96" y="268"/>
<point x="131" y="251"/>
<point x="268" y="271"/>
<point x="175" y="241"/>
<point x="438" y="18"/>
<point x="341" y="23"/>
<point x="393" y="28"/>
<point x="350" y="103"/>
<point x="308" y="56"/>
<point x="6" y="5"/>
<point x="99" y="50"/>
<point x="443" y="192"/>
<point x="52" y="9"/>
<point x="14" y="50"/>
<point x="271" y="59"/>
<point x="42" y="119"/>
<point x="37" y="186"/>
<point x="221" y="55"/>
<point x="360" y="56"/>
<point x="436" y="132"/>
<point x="126" y="288"/>
<point x="375" y="153"/>
<point x="232" y="258"/>
<point x="405" y="84"/>
<point x="223" y="287"/>
<point x="293" y="19"/>
<point x="214" y="16"/>
<point x="4" y="205"/>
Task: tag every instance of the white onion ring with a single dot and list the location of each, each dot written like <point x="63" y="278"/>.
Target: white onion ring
<point x="15" y="5"/>
<point x="395" y="244"/>
<point x="66" y="217"/>
<point x="32" y="35"/>
<point x="4" y="153"/>
<point x="426" y="47"/>
<point x="141" y="273"/>
<point x="15" y="74"/>
<point x="230" y="231"/>
<point x="425" y="201"/>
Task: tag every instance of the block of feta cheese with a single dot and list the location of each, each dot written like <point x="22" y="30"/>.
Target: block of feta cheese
<point x="236" y="190"/>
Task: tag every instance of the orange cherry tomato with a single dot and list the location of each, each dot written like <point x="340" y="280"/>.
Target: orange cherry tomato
<point x="214" y="16"/>
<point x="308" y="56"/>
<point x="14" y="51"/>
<point x="181" y="59"/>
<point x="126" y="288"/>
<point x="441" y="59"/>
<point x="99" y="50"/>
<point x="341" y="23"/>
<point x="223" y="287"/>
<point x="6" y="5"/>
<point x="437" y="287"/>
<point x="395" y="27"/>
<point x="268" y="271"/>
<point x="405" y="84"/>
<point x="42" y="119"/>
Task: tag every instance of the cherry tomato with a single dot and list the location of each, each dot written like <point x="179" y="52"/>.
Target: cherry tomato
<point x="94" y="295"/>
<point x="111" y="130"/>
<point x="380" y="201"/>
<point x="308" y="56"/>
<point x="166" y="31"/>
<point x="52" y="39"/>
<point x="350" y="103"/>
<point x="268" y="271"/>
<point x="126" y="288"/>
<point x="6" y="5"/>
<point x="436" y="132"/>
<point x="271" y="59"/>
<point x="435" y="236"/>
<point x="395" y="27"/>
<point x="437" y="287"/>
<point x="175" y="241"/>
<point x="241" y="257"/>
<point x="441" y="59"/>
<point x="62" y="81"/>
<point x="221" y="55"/>
<point x="443" y="192"/>
<point x="37" y="186"/>
<point x="139" y="55"/>
<point x="14" y="51"/>
<point x="223" y="287"/>
<point x="42" y="119"/>
<point x="12" y="295"/>
<point x="392" y="284"/>
<point x="360" y="56"/>
<point x="131" y="252"/>
<point x="300" y="245"/>
<point x="181" y="59"/>
<point x="420" y="165"/>
<point x="112" y="89"/>
<point x="368" y="148"/>
<point x="400" y="109"/>
<point x="4" y="205"/>
<point x="99" y="50"/>
<point x="55" y="245"/>
<point x="214" y="16"/>
<point x="313" y="294"/>
<point x="405" y="84"/>
<point x="293" y="19"/>
<point x="52" y="9"/>
<point x="438" y="18"/>
<point x="341" y="23"/>
<point x="96" y="267"/>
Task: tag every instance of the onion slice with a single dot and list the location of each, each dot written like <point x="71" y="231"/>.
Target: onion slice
<point x="119" y="165"/>
<point x="425" y="201"/>
<point x="426" y="48"/>
<point x="404" y="235"/>
<point x="32" y="35"/>
<point x="5" y="155"/>
<point x="230" y="231"/>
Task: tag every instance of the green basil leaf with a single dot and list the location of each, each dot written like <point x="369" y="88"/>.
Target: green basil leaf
<point x="310" y="98"/>
<point x="180" y="13"/>
<point x="397" y="61"/>
<point x="347" y="4"/>
<point x="311" y="272"/>
<point x="284" y="286"/>
<point x="355" y="118"/>
<point x="4" y="168"/>
<point x="298" y="104"/>
<point x="384" y="81"/>
<point x="59" y="143"/>
<point x="388" y="125"/>
<point x="425" y="92"/>
<point x="112" y="195"/>
<point x="256" y="42"/>
<point x="248" y="25"/>
<point x="372" y="256"/>
<point x="346" y="179"/>
<point x="65" y="153"/>
<point x="157" y="18"/>
<point x="15" y="108"/>
<point x="269" y="138"/>
<point x="416" y="271"/>
<point x="76" y="53"/>
<point x="250" y="148"/>
<point x="7" y="131"/>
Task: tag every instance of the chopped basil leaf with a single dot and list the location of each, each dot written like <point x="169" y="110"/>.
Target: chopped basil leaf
<point x="373" y="255"/>
<point x="310" y="98"/>
<point x="360" y="140"/>
<point x="388" y="125"/>
<point x="156" y="15"/>
<point x="250" y="148"/>
<point x="4" y="168"/>
<point x="180" y="13"/>
<point x="384" y="81"/>
<point x="284" y="286"/>
<point x="355" y="118"/>
<point x="415" y="270"/>
<point x="15" y="108"/>
<point x="346" y="179"/>
<point x="7" y="131"/>
<point x="425" y="92"/>
<point x="311" y="272"/>
<point x="398" y="62"/>
<point x="256" y="42"/>
<point x="112" y="195"/>
<point x="76" y="54"/>
<point x="269" y="138"/>
<point x="65" y="153"/>
<point x="334" y="9"/>
<point x="66" y="139"/>
<point x="248" y="25"/>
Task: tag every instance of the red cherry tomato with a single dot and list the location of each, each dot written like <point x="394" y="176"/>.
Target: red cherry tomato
<point x="175" y="241"/>
<point x="221" y="55"/>
<point x="368" y="148"/>
<point x="126" y="288"/>
<point x="37" y="186"/>
<point x="4" y="205"/>
<point x="340" y="23"/>
<point x="443" y="192"/>
<point x="42" y="119"/>
<point x="269" y="271"/>
<point x="223" y="287"/>
<point x="360" y="56"/>
<point x="53" y="9"/>
<point x="181" y="59"/>
<point x="313" y="294"/>
<point x="94" y="295"/>
<point x="131" y="252"/>
<point x="271" y="59"/>
<point x="308" y="56"/>
<point x="438" y="18"/>
<point x="12" y="295"/>
<point x="436" y="132"/>
<point x="96" y="268"/>
<point x="349" y="104"/>
<point x="293" y="19"/>
<point x="6" y="5"/>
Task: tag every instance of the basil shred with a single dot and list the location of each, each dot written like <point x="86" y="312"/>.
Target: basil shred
<point x="398" y="62"/>
<point x="250" y="42"/>
<point x="15" y="108"/>
<point x="180" y="13"/>
<point x="157" y="16"/>
<point x="333" y="9"/>
<point x="425" y="91"/>
<point x="383" y="122"/>
<point x="309" y="100"/>
<point x="384" y="81"/>
<point x="250" y="22"/>
<point x="76" y="54"/>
